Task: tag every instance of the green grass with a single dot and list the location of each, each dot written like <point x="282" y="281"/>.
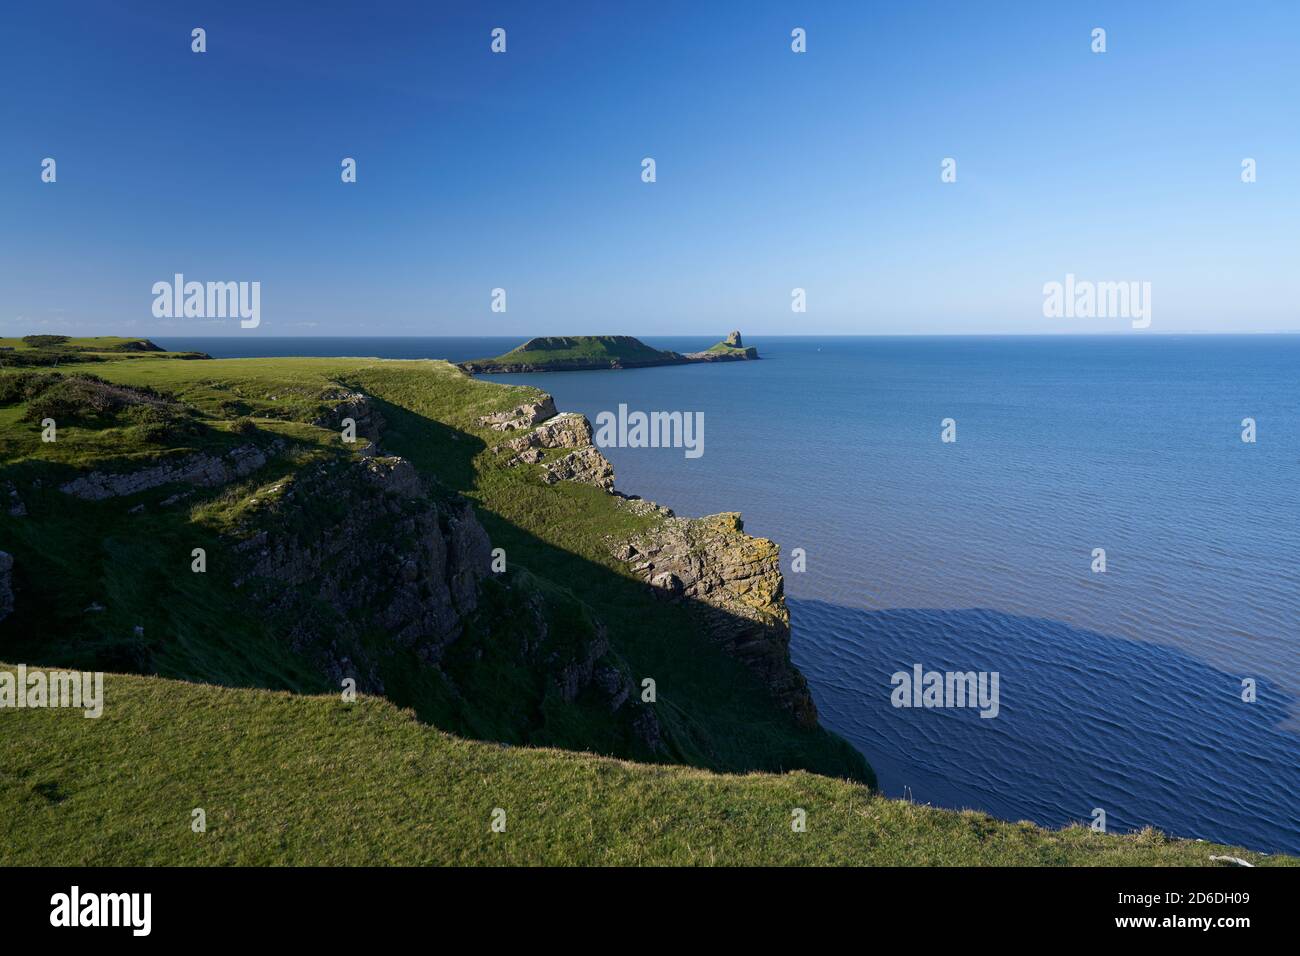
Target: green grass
<point x="287" y="779"/>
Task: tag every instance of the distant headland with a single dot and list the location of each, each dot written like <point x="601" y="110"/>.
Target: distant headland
<point x="572" y="353"/>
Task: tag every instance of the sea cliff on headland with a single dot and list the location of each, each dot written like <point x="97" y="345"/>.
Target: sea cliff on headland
<point x="242" y="543"/>
<point x="573" y="353"/>
<point x="454" y="545"/>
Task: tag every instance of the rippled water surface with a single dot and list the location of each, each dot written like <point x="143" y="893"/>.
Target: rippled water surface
<point x="1119" y="691"/>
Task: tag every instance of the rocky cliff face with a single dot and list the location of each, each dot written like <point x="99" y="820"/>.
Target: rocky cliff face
<point x="6" y="584"/>
<point x="746" y="354"/>
<point x="361" y="568"/>
<point x="522" y="416"/>
<point x="563" y="431"/>
<point x="362" y="536"/>
<point x="584" y="463"/>
<point x="355" y="406"/>
<point x="200" y="470"/>
<point x="356" y="561"/>
<point x="734" y="582"/>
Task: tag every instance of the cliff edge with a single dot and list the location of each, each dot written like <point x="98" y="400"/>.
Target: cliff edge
<point x="731" y="580"/>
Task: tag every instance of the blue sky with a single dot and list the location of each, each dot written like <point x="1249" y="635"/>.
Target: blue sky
<point x="775" y="170"/>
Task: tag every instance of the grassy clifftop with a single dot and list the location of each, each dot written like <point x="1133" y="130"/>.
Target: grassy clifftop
<point x="287" y="779"/>
<point x="94" y="343"/>
<point x="49" y="350"/>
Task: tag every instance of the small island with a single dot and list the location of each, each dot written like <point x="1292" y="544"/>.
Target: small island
<point x="574" y="353"/>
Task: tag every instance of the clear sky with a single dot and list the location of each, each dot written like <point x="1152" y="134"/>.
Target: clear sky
<point x="522" y="170"/>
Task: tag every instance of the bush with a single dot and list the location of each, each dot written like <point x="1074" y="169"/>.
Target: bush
<point x="18" y="387"/>
<point x="44" y="341"/>
<point x="162" y="423"/>
<point x="226" y="408"/>
<point x="243" y="426"/>
<point x="86" y="396"/>
<point x="71" y="397"/>
<point x="46" y="356"/>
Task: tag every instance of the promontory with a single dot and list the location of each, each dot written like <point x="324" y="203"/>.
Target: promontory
<point x="573" y="353"/>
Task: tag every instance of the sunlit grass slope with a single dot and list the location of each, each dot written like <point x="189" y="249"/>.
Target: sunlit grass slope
<point x="285" y="779"/>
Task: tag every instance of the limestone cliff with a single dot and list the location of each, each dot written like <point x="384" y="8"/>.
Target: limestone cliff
<point x="734" y="582"/>
<point x="367" y="570"/>
<point x="344" y="550"/>
<point x="199" y="470"/>
<point x="584" y="463"/>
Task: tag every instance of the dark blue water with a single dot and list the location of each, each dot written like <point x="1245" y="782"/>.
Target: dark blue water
<point x="1119" y="691"/>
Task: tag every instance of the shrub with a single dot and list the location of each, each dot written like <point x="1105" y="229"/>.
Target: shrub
<point x="243" y="426"/>
<point x="162" y="423"/>
<point x="86" y="396"/>
<point x="44" y="341"/>
<point x="226" y="408"/>
<point x="46" y="356"/>
<point x="71" y="397"/>
<point x="18" y="387"/>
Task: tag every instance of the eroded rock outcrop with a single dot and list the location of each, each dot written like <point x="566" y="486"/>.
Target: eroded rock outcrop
<point x="569" y="430"/>
<point x="357" y="406"/>
<point x="201" y="470"/>
<point x="734" y="580"/>
<point x="362" y="535"/>
<point x="586" y="465"/>
<point x="521" y="416"/>
<point x="354" y="559"/>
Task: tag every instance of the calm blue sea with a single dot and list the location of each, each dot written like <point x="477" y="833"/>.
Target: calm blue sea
<point x="1119" y="691"/>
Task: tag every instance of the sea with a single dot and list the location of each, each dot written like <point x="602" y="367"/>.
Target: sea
<point x="1162" y="691"/>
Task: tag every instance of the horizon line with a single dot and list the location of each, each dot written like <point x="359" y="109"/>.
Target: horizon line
<point x="770" y="335"/>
